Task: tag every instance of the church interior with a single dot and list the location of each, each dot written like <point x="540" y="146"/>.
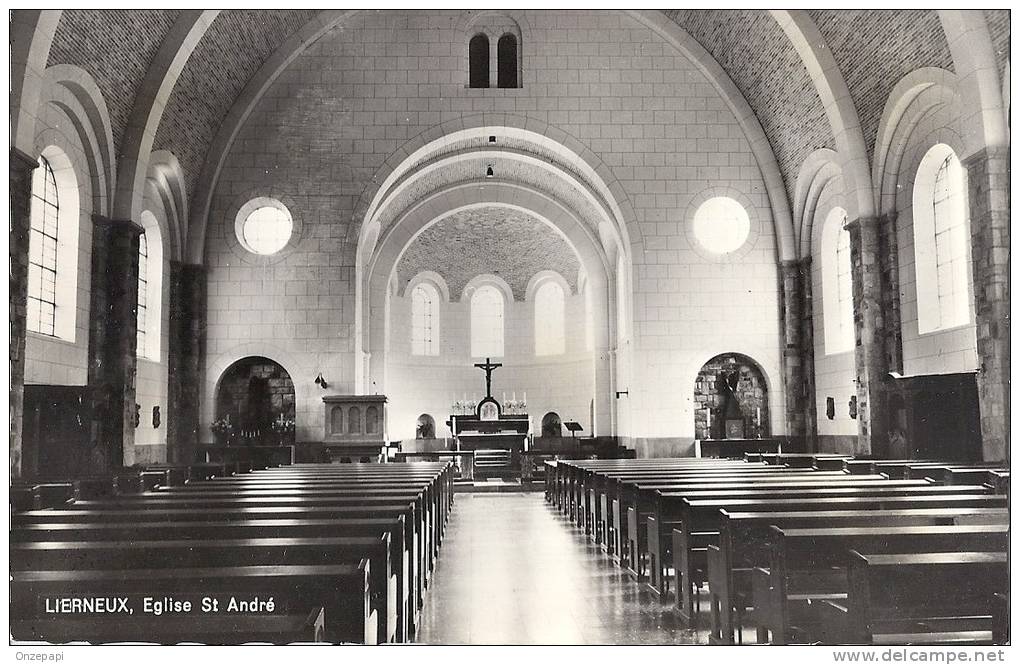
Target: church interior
<point x="510" y="327"/>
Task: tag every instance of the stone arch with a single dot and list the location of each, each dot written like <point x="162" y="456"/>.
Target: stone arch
<point x="839" y="107"/>
<point x="430" y="277"/>
<point x="252" y="392"/>
<point x="540" y="278"/>
<point x="140" y="132"/>
<point x="974" y="63"/>
<point x="32" y="32"/>
<point x="166" y="177"/>
<point x="915" y="97"/>
<point x="487" y="279"/>
<point x="73" y="90"/>
<point x="733" y="387"/>
<point x="818" y="171"/>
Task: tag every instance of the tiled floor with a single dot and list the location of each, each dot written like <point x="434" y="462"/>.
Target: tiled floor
<point x="513" y="571"/>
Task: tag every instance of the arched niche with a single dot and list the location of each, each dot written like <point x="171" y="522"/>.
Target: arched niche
<point x="731" y="399"/>
<point x="425" y="427"/>
<point x="252" y="393"/>
<point x="552" y="425"/>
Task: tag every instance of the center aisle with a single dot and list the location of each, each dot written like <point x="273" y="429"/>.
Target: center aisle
<point x="513" y="571"/>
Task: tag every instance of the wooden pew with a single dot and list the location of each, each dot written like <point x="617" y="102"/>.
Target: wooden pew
<point x="809" y="564"/>
<point x="930" y="598"/>
<point x="210" y="630"/>
<point x="341" y="590"/>
<point x="206" y="553"/>
<point x="700" y="518"/>
<point x="744" y="539"/>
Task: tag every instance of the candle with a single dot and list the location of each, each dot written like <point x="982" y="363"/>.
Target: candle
<point x="708" y="421"/>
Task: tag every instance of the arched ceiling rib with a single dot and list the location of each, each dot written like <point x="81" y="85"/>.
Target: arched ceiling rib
<point x="509" y="243"/>
<point x="116" y="47"/>
<point x="233" y="49"/>
<point x="868" y="45"/>
<point x="753" y="50"/>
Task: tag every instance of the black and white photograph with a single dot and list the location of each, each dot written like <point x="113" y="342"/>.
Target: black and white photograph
<point x="510" y="327"/>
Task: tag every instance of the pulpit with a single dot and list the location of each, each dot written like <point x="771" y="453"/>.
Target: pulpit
<point x="354" y="428"/>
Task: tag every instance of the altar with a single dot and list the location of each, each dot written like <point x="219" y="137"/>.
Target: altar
<point x="497" y="438"/>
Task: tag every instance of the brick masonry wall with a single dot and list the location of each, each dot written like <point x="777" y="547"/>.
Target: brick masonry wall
<point x="363" y="90"/>
<point x="116" y="47"/>
<point x="21" y="168"/>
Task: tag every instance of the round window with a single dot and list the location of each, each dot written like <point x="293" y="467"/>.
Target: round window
<point x="721" y="225"/>
<point x="266" y="229"/>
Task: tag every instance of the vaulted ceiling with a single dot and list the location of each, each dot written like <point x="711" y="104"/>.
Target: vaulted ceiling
<point x="509" y="243"/>
<point x="872" y="48"/>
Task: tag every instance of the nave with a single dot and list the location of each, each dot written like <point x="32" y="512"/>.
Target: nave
<point x="514" y="571"/>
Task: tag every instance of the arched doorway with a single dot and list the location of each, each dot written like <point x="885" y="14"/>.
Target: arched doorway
<point x="731" y="399"/>
<point x="253" y="393"/>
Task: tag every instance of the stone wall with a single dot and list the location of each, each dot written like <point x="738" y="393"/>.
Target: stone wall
<point x="751" y="393"/>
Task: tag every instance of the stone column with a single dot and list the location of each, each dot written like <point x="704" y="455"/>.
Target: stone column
<point x="186" y="357"/>
<point x="870" y="331"/>
<point x="798" y="357"/>
<point x="113" y="325"/>
<point x="988" y="185"/>
<point x="21" y="166"/>
<point x="889" y="260"/>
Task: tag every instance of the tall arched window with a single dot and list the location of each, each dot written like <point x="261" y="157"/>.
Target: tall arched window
<point x="550" y="336"/>
<point x="42" y="254"/>
<point x="150" y="287"/>
<point x="143" y="280"/>
<point x="478" y="61"/>
<point x="837" y="284"/>
<point x="506" y="58"/>
<point x="425" y="320"/>
<point x="941" y="241"/>
<point x="487" y="322"/>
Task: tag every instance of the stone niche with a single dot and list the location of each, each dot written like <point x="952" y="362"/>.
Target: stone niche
<point x="749" y="391"/>
<point x="354" y="422"/>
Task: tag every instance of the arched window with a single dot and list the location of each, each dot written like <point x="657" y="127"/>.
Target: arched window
<point x="42" y="257"/>
<point x="550" y="337"/>
<point x="506" y="58"/>
<point x="478" y="61"/>
<point x="53" y="247"/>
<point x="143" y="280"/>
<point x="150" y="287"/>
<point x="487" y="322"/>
<point x="941" y="241"/>
<point x="837" y="284"/>
<point x="425" y="320"/>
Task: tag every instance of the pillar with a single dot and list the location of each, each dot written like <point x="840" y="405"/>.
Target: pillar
<point x="988" y="196"/>
<point x="21" y="166"/>
<point x="870" y="327"/>
<point x="112" y="342"/>
<point x="798" y="352"/>
<point x="186" y="356"/>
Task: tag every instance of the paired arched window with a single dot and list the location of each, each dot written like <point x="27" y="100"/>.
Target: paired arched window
<point x="550" y="336"/>
<point x="508" y="61"/>
<point x="941" y="241"/>
<point x="478" y="61"/>
<point x="487" y="322"/>
<point x="42" y="256"/>
<point x="150" y="287"/>
<point x="424" y="320"/>
<point x="53" y="247"/>
<point x="837" y="284"/>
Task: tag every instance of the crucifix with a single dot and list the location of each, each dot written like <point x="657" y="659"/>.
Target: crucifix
<point x="487" y="367"/>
